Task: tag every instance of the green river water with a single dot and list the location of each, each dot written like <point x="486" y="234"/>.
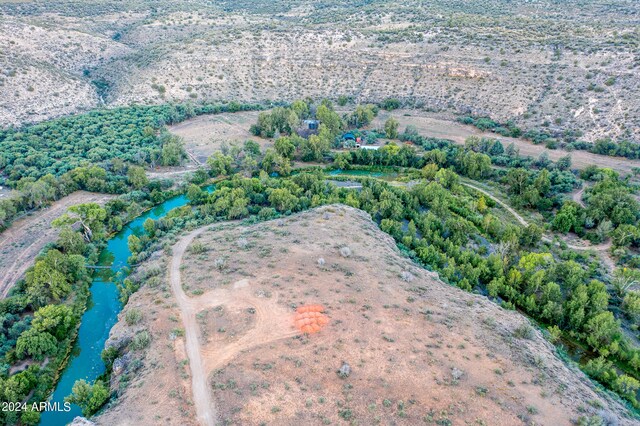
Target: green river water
<point x="101" y="315"/>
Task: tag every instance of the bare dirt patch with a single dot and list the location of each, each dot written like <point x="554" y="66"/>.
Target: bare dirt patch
<point x="224" y="325"/>
<point x="23" y="240"/>
<point x="416" y="349"/>
<point x="205" y="134"/>
<point x="434" y="125"/>
<point x="177" y="174"/>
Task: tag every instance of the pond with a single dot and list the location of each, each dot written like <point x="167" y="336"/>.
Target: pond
<point x="376" y="174"/>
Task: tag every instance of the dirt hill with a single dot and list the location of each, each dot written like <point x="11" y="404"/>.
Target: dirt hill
<point x="400" y="346"/>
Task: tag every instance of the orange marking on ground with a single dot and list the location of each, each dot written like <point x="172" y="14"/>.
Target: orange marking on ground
<point x="310" y="319"/>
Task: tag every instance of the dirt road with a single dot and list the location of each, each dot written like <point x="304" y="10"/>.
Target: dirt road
<point x="515" y="214"/>
<point x="577" y="197"/>
<point x="164" y="172"/>
<point x="26" y="237"/>
<point x="201" y="394"/>
<point x="272" y="323"/>
<point x="603" y="248"/>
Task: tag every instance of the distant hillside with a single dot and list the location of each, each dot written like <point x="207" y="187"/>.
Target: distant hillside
<point x="560" y="65"/>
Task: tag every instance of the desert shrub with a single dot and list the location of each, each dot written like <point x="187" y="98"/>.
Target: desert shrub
<point x="220" y="263"/>
<point x="141" y="340"/>
<point x="242" y="243"/>
<point x="345" y="251"/>
<point x="407" y="276"/>
<point x="524" y="331"/>
<point x="133" y="316"/>
<point x="197" y="248"/>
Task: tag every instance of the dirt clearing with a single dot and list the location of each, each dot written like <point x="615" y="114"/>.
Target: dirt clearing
<point x="26" y="237"/>
<point x="204" y="135"/>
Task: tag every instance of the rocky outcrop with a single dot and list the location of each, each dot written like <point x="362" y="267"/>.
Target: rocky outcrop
<point x="81" y="421"/>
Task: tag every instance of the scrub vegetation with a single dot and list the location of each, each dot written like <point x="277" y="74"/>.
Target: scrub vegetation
<point x="434" y="217"/>
<point x="566" y="69"/>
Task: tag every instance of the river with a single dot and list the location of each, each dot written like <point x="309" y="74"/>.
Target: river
<point x="101" y="315"/>
<point x="104" y="307"/>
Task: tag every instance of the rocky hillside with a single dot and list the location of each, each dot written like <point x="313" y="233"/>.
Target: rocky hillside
<point x="560" y="65"/>
<point x="401" y="347"/>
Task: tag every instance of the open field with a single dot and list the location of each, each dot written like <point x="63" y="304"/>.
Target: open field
<point x="492" y="57"/>
<point x="434" y="125"/>
<point x="418" y="350"/>
<point x="205" y="134"/>
<point x="23" y="240"/>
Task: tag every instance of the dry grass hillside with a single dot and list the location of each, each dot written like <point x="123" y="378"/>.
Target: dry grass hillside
<point x="560" y="64"/>
<point x="419" y="351"/>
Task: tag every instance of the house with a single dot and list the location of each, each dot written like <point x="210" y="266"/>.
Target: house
<point x="349" y="136"/>
<point x="311" y="124"/>
<point x="349" y="141"/>
<point x="308" y="128"/>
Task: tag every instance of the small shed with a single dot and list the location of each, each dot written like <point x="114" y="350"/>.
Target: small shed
<point x="311" y="124"/>
<point x="308" y="128"/>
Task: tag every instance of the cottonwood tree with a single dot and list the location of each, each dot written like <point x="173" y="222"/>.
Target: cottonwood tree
<point x="329" y="118"/>
<point x="35" y="344"/>
<point x="391" y="128"/>
<point x="88" y="397"/>
<point x="282" y="199"/>
<point x="45" y="283"/>
<point x="57" y="320"/>
<point x="173" y="152"/>
<point x="90" y="216"/>
<point x="70" y="241"/>
<point x="220" y="164"/>
<point x="285" y="147"/>
<point x="137" y="177"/>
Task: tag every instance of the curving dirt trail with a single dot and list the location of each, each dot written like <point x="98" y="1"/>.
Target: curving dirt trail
<point x="272" y="323"/>
<point x="502" y="203"/>
<point x="577" y="197"/>
<point x="602" y="248"/>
